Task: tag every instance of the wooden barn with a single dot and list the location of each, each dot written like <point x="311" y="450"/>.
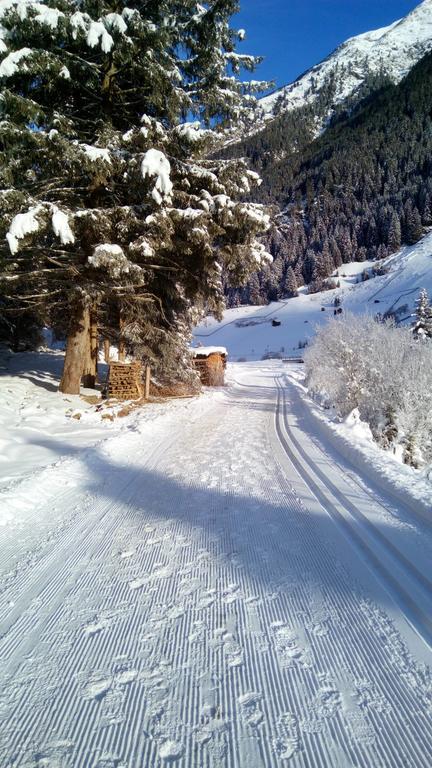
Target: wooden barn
<point x="211" y="363"/>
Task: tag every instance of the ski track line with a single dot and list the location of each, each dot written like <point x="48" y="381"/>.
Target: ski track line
<point x="211" y="623"/>
<point x="360" y="516"/>
<point x="418" y="576"/>
<point x="412" y="703"/>
<point x="372" y="488"/>
<point x="328" y="494"/>
<point x="395" y="692"/>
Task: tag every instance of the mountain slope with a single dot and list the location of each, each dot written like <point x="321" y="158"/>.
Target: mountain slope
<point x="392" y="50"/>
<point x="357" y="192"/>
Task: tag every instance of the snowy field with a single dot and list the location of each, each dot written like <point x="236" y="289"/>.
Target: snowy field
<point x="247" y="332"/>
<point x="207" y="583"/>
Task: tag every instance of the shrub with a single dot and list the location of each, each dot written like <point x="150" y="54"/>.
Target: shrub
<point x="384" y="372"/>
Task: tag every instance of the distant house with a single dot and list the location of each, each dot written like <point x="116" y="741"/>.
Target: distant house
<point x="210" y="363"/>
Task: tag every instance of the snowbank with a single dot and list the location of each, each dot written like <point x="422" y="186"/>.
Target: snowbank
<point x="354" y="443"/>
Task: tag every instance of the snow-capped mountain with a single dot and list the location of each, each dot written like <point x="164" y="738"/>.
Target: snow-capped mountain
<point x="392" y="50"/>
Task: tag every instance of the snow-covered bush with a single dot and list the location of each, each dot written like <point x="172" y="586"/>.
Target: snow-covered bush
<point x="385" y="373"/>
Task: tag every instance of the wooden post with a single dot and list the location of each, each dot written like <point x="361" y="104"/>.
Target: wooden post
<point x="91" y="358"/>
<point x="121" y="351"/>
<point x="121" y="346"/>
<point x="147" y="383"/>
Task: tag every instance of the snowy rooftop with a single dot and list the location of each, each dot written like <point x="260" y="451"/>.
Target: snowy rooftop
<point x="207" y="351"/>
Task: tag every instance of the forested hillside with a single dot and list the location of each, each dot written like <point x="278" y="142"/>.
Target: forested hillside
<point x="355" y="193"/>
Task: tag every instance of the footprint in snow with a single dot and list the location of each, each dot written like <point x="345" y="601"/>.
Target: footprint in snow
<point x="93" y="629"/>
<point x="97" y="689"/>
<point x="126" y="677"/>
<point x="170" y="751"/>
<point x="136" y="583"/>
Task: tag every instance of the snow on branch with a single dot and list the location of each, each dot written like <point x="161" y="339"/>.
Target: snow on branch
<point x="112" y="257"/>
<point x="61" y="227"/>
<point x="95" y="154"/>
<point x="259" y="253"/>
<point x="33" y="220"/>
<point x="23" y="224"/>
<point x="156" y="164"/>
<point x="14" y="62"/>
<point x="192" y="132"/>
<point x="98" y="33"/>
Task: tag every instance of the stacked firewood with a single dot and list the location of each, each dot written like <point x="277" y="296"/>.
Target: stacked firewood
<point x="125" y="381"/>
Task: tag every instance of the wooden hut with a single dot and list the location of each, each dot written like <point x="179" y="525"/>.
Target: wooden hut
<point x="210" y="363"/>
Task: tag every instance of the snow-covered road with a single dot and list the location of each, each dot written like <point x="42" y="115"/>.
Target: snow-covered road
<point x="217" y="589"/>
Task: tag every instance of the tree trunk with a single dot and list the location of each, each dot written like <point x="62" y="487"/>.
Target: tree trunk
<point x="74" y="360"/>
<point x="91" y="355"/>
<point x="106" y="346"/>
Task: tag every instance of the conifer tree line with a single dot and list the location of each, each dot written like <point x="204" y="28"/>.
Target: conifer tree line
<point x="360" y="191"/>
<point x="116" y="221"/>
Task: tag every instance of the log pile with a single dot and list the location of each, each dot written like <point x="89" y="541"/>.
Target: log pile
<point x="211" y="368"/>
<point x="125" y="381"/>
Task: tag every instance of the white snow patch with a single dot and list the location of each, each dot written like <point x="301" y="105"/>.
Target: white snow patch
<point x="170" y="751"/>
<point x="23" y="224"/>
<point x="95" y="154"/>
<point x="207" y="351"/>
<point x="156" y="164"/>
<point x="61" y="227"/>
<point x="97" y="33"/>
<point x="112" y="257"/>
<point x="115" y="21"/>
<point x="192" y="131"/>
<point x="11" y="63"/>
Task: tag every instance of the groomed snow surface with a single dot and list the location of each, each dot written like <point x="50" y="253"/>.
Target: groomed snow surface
<point x="212" y="585"/>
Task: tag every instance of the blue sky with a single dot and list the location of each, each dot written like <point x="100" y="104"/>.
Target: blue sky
<point x="295" y="34"/>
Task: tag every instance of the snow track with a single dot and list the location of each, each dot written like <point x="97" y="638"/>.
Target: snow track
<point x="397" y="571"/>
<point x="217" y="595"/>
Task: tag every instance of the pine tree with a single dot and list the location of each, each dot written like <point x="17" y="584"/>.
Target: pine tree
<point x="289" y="287"/>
<point x="422" y="327"/>
<point x="309" y="266"/>
<point x="254" y="291"/>
<point x="413" y="229"/>
<point x="109" y="207"/>
<point x="394" y="237"/>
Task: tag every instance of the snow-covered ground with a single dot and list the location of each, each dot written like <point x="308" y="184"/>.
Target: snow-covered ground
<point x="247" y="332"/>
<point x="231" y="580"/>
<point x="209" y="583"/>
<point x="35" y="418"/>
